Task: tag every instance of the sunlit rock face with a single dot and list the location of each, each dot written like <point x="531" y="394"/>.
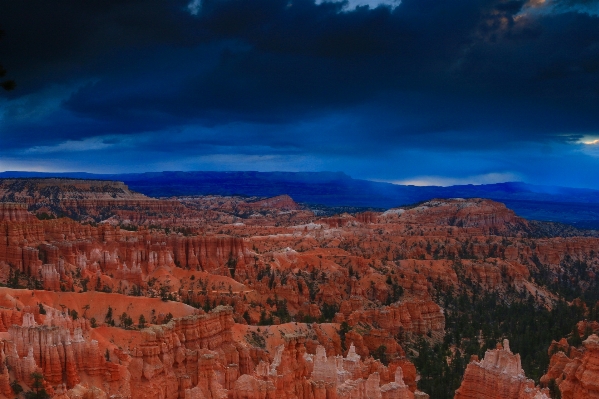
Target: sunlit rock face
<point x="498" y="375"/>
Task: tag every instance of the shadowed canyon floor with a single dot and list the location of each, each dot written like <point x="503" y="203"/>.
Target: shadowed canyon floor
<point x="109" y="293"/>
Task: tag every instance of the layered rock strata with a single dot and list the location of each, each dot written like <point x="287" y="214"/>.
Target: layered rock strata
<point x="575" y="371"/>
<point x="498" y="375"/>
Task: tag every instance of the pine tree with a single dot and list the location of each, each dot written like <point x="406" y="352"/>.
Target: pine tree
<point x="142" y="321"/>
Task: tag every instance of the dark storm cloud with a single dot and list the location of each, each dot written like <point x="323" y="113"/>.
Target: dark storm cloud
<point x="52" y="42"/>
<point x="581" y="5"/>
<point x="280" y="61"/>
<point x="481" y="72"/>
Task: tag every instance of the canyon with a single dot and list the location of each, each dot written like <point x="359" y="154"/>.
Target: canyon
<point x="110" y="293"/>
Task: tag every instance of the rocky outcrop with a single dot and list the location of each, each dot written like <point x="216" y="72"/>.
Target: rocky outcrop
<point x="50" y="277"/>
<point x="58" y="349"/>
<point x="498" y="376"/>
<point x="188" y="353"/>
<point x="85" y="199"/>
<point x="575" y="371"/>
<point x="473" y="214"/>
<point x="195" y="351"/>
<point x="14" y="212"/>
<point x="280" y="202"/>
<point x="18" y="231"/>
<point x="52" y="251"/>
<point x="80" y="392"/>
<point x="367" y="217"/>
<point x="217" y="254"/>
<point x="295" y="374"/>
<point x="339" y="221"/>
<point x="419" y="317"/>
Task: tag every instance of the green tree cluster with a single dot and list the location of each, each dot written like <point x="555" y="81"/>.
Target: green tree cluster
<point x="487" y="319"/>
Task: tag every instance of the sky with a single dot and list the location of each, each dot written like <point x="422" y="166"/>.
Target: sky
<point x="406" y="91"/>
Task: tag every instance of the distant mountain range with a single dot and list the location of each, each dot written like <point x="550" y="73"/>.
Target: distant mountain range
<point x="575" y="206"/>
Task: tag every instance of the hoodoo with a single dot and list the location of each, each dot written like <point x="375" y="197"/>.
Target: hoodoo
<point x="498" y="376"/>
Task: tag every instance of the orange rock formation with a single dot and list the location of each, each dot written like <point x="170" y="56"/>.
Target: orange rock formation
<point x="272" y="261"/>
<point x="498" y="375"/>
<point x="575" y="371"/>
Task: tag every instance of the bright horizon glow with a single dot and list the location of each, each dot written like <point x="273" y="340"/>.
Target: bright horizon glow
<point x="489" y="178"/>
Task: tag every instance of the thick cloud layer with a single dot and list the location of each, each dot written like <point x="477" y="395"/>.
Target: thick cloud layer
<point x="304" y="85"/>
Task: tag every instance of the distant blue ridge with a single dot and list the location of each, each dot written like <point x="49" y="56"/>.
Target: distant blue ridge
<point x="576" y="206"/>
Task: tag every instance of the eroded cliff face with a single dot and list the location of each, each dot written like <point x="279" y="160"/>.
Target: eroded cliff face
<point x="295" y="374"/>
<point x="575" y="371"/>
<point x="15" y="212"/>
<point x="498" y="375"/>
<point x="192" y="352"/>
<point x="57" y="347"/>
<point x="195" y="356"/>
<point x="159" y="362"/>
<point x="91" y="200"/>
